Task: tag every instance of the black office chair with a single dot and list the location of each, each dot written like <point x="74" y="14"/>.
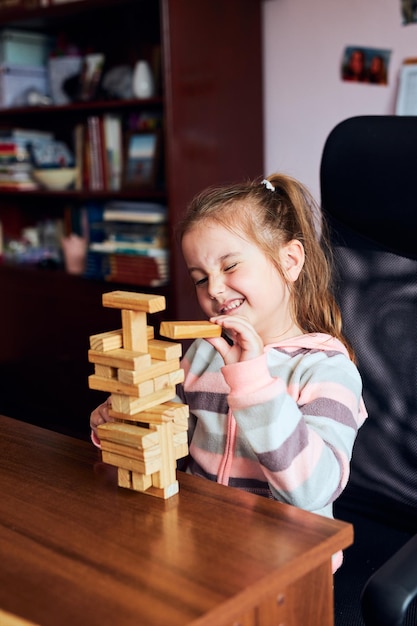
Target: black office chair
<point x="369" y="195"/>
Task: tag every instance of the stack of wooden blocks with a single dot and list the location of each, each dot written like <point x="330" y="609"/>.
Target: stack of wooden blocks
<point x="149" y="431"/>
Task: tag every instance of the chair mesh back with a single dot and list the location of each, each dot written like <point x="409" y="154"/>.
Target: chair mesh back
<point x="375" y="246"/>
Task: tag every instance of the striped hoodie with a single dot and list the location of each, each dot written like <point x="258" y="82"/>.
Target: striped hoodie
<point x="282" y="425"/>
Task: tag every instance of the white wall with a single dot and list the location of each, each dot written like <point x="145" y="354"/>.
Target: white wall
<point x="305" y="98"/>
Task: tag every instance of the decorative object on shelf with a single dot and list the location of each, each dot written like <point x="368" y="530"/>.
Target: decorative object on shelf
<point x="20" y="47"/>
<point x="61" y="69"/>
<point x="74" y="249"/>
<point x="118" y="82"/>
<point x="16" y="81"/>
<point x="51" y="154"/>
<point x="143" y="82"/>
<point x="141" y="161"/>
<point x="55" y="178"/>
<point x="90" y="77"/>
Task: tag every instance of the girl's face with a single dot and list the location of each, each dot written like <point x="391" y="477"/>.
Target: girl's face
<point x="233" y="276"/>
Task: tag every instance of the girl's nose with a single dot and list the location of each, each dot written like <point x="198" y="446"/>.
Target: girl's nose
<point x="215" y="286"/>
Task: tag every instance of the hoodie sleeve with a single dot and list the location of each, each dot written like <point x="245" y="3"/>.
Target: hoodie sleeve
<point x="302" y="430"/>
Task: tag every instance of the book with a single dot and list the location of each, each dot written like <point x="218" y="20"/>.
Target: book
<point x="113" y="145"/>
<point x="128" y="269"/>
<point x="26" y="134"/>
<point x="139" y="248"/>
<point x="147" y="212"/>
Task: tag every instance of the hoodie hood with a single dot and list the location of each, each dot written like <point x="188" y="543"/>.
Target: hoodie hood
<point x="311" y="341"/>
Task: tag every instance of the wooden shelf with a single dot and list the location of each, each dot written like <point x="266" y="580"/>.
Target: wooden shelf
<point x="210" y="99"/>
<point x="81" y="107"/>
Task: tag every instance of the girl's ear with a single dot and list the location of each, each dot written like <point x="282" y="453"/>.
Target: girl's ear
<point x="292" y="259"/>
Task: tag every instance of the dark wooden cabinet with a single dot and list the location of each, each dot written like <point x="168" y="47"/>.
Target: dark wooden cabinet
<point x="210" y="96"/>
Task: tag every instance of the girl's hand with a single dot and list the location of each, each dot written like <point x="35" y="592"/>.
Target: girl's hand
<point x="100" y="415"/>
<point x="247" y="344"/>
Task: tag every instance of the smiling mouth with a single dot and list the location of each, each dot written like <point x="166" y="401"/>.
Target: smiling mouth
<point x="232" y="306"/>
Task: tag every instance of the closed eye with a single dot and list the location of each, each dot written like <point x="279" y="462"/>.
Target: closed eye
<point x="230" y="267"/>
<point x="202" y="281"/>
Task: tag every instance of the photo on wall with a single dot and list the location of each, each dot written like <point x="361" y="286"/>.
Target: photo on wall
<point x="365" y="65"/>
<point x="409" y="11"/>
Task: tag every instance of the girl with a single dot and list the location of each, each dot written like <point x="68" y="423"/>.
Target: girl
<point x="275" y="403"/>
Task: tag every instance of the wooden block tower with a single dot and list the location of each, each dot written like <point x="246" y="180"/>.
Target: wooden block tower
<point x="149" y="433"/>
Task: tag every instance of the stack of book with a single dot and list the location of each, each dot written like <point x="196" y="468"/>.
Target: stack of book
<point x="15" y="159"/>
<point x="129" y="244"/>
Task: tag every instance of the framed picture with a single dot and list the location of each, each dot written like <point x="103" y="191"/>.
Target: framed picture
<point x="141" y="160"/>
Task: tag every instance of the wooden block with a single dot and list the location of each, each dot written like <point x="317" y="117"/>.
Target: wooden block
<point x="105" y="371"/>
<point x="126" y="359"/>
<point x="180" y="437"/>
<point x="147" y="455"/>
<point x="124" y="478"/>
<point x="167" y="472"/>
<point x="177" y="409"/>
<point x="135" y="334"/>
<point x="177" y="377"/>
<point x="161" y="382"/>
<point x="133" y="465"/>
<point x="126" y="407"/>
<point x="164" y="350"/>
<point x="180" y="426"/>
<point x="107" y="341"/>
<point x="189" y="330"/>
<point x="165" y="492"/>
<point x="128" y="434"/>
<point x="180" y="450"/>
<point x="169" y="380"/>
<point x="141" y="482"/>
<point x="113" y="385"/>
<point x="147" y="303"/>
<point x="157" y="368"/>
<point x="166" y="412"/>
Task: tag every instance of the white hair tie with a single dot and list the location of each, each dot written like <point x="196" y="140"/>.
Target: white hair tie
<point x="268" y="185"/>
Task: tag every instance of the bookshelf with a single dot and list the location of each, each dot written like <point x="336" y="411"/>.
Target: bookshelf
<point x="209" y="100"/>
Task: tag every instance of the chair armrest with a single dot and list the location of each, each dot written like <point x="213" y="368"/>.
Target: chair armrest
<point x="389" y="591"/>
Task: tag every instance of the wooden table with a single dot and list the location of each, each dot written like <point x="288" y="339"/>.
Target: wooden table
<point x="76" y="549"/>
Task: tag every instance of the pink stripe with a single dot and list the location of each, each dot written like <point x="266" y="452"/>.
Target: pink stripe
<point x="226" y="464"/>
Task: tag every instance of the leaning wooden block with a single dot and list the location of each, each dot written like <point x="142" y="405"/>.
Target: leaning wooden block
<point x="189" y="330"/>
<point x="147" y="303"/>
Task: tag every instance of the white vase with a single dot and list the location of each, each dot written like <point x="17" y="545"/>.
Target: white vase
<point x="143" y="83"/>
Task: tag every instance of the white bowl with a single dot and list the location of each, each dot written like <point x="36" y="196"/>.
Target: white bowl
<point x="60" y="178"/>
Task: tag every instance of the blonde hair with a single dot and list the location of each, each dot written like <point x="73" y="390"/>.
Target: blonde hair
<point x="271" y="214"/>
